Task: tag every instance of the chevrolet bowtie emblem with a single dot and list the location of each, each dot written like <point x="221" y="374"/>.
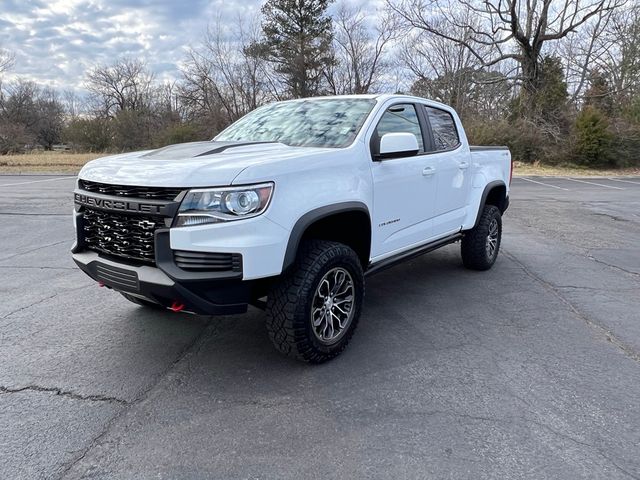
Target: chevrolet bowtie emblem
<point x="146" y="225"/>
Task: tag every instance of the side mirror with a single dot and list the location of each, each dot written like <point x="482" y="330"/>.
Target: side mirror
<point x="396" y="145"/>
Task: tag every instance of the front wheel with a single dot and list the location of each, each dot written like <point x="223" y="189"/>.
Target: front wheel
<point x="481" y="244"/>
<point x="314" y="309"/>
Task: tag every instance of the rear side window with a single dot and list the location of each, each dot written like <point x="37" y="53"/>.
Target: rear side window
<point x="401" y="118"/>
<point x="445" y="135"/>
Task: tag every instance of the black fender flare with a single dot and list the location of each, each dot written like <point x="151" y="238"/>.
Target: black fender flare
<point x="483" y="199"/>
<point x="301" y="225"/>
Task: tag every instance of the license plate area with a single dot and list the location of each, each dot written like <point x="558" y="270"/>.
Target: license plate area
<point x="117" y="278"/>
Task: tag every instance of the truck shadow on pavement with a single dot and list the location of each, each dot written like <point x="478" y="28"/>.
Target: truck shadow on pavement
<point x="413" y="313"/>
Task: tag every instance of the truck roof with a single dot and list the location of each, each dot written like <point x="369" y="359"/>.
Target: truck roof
<point x="374" y="96"/>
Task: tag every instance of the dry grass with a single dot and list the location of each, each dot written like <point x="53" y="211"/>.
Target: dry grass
<point x="526" y="169"/>
<point x="62" y="162"/>
<point x="49" y="162"/>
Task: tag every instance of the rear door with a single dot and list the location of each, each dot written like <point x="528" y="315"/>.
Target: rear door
<point x="404" y="188"/>
<point x="452" y="164"/>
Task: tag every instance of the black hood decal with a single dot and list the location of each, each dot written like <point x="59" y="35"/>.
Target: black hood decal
<point x="222" y="146"/>
<point x="194" y="149"/>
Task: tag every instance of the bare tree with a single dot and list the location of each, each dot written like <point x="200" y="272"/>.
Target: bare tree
<point x="165" y="99"/>
<point x="124" y="85"/>
<point x="448" y="72"/>
<point x="443" y="69"/>
<point x="583" y="51"/>
<point x="606" y="51"/>
<point x="6" y="60"/>
<point x="223" y="80"/>
<point x="515" y="31"/>
<point x="620" y="60"/>
<point x="359" y="50"/>
<point x="29" y="114"/>
<point x="73" y="104"/>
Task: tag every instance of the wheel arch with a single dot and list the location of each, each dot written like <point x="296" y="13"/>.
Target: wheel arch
<point x="495" y="193"/>
<point x="346" y="222"/>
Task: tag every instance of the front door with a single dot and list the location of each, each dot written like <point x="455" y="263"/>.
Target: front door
<point x="404" y="188"/>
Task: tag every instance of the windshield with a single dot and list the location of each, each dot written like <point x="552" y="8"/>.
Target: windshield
<point x="331" y="122"/>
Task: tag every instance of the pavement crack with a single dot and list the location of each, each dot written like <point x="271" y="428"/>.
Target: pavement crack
<point x="7" y="315"/>
<point x="34" y="250"/>
<point x="37" y="268"/>
<point x="613" y="217"/>
<point x="602" y="262"/>
<point x="63" y="393"/>
<point x="210" y="329"/>
<point x="39" y="214"/>
<point x="42" y="300"/>
<point x="583" y="444"/>
<point x="592" y="289"/>
<point x="608" y="334"/>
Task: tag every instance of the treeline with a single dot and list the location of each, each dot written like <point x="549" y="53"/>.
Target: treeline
<point x="556" y="80"/>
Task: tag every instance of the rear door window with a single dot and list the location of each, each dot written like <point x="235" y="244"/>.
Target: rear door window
<point x="445" y="134"/>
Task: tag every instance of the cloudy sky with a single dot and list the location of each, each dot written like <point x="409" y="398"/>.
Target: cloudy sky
<point x="55" y="41"/>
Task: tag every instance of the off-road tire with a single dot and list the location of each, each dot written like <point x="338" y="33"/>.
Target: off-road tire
<point x="474" y="248"/>
<point x="289" y="304"/>
<point x="142" y="302"/>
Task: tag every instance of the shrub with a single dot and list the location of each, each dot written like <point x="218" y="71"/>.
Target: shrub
<point x="626" y="146"/>
<point x="131" y="130"/>
<point x="178" y="133"/>
<point x="528" y="142"/>
<point x="92" y="135"/>
<point x="14" y="137"/>
<point x="594" y="139"/>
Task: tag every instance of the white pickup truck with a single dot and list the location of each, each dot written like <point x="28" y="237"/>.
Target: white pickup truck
<point x="289" y="209"/>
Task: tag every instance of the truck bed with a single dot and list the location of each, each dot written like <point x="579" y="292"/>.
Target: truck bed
<point x="494" y="161"/>
<point x="482" y="148"/>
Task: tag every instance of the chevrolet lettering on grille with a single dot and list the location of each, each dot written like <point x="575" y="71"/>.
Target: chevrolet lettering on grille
<point x="113" y="204"/>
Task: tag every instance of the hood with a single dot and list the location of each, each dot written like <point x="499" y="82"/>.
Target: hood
<point x="195" y="164"/>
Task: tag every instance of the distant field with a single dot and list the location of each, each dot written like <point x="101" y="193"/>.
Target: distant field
<point x="525" y="169"/>
<point x="45" y="162"/>
<point x="57" y="162"/>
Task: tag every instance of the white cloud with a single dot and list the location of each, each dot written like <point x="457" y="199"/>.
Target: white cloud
<point x="56" y="41"/>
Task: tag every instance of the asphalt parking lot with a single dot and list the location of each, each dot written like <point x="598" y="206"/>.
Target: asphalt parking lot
<point x="530" y="370"/>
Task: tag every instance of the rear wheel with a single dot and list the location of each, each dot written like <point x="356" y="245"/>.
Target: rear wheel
<point x="314" y="309"/>
<point x="480" y="245"/>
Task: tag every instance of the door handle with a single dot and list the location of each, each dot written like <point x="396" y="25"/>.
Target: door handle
<point x="463" y="165"/>
<point x="428" y="171"/>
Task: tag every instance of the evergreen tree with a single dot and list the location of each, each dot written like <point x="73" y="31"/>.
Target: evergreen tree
<point x="547" y="103"/>
<point x="297" y="39"/>
<point x="598" y="94"/>
<point x="594" y="139"/>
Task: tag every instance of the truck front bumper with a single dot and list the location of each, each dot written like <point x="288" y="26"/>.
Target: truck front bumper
<point x="192" y="292"/>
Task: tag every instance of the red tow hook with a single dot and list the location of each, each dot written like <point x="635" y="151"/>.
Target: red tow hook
<point x="100" y="284"/>
<point x="176" y="307"/>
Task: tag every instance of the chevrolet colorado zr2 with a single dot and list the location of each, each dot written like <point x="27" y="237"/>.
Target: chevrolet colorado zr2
<point x="289" y="209"/>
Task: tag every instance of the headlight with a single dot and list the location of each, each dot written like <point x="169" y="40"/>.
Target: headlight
<point x="213" y="205"/>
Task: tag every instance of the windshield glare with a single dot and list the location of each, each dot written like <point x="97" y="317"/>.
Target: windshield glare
<point x="304" y="123"/>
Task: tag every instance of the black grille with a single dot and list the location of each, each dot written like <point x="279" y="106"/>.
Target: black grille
<point x="128" y="236"/>
<point x="117" y="277"/>
<point x="157" y="193"/>
<point x="205" y="261"/>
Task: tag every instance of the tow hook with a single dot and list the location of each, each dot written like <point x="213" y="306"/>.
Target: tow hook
<point x="176" y="307"/>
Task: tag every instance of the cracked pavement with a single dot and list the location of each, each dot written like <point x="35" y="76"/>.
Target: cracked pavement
<point x="530" y="370"/>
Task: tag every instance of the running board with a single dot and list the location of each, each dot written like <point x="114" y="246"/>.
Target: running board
<point x="413" y="253"/>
